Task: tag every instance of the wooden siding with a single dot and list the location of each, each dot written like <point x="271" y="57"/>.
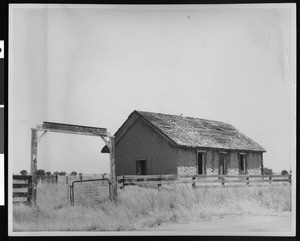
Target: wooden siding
<point x="125" y="127"/>
<point x="141" y="142"/>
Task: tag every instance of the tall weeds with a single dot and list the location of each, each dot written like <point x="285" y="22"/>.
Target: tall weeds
<point x="138" y="208"/>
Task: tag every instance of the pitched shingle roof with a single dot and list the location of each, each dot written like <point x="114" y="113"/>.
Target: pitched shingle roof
<point x="196" y="132"/>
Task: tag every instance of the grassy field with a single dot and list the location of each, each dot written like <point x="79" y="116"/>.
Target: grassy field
<point x="138" y="208"/>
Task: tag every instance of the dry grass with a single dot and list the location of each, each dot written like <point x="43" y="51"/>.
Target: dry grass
<point x="138" y="208"/>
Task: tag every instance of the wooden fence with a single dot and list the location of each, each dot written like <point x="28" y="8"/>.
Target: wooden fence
<point x="48" y="179"/>
<point x="238" y="180"/>
<point x="22" y="189"/>
<point x="202" y="180"/>
<point x="143" y="180"/>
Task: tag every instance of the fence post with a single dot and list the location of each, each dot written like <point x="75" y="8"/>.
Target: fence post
<point x="123" y="182"/>
<point x="67" y="181"/>
<point x="270" y="179"/>
<point x="72" y="195"/>
<point x="159" y="185"/>
<point x="56" y="178"/>
<point x="290" y="179"/>
<point x="247" y="178"/>
<point x="194" y="182"/>
<point x="29" y="198"/>
<point x="223" y="181"/>
<point x="80" y="177"/>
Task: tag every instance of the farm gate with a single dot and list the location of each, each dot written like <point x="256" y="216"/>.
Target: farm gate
<point x="89" y="192"/>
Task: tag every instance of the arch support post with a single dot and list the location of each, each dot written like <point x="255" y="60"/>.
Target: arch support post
<point x="113" y="177"/>
<point x="33" y="169"/>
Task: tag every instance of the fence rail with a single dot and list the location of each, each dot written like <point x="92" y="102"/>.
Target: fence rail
<point x="201" y="180"/>
<point x="23" y="182"/>
<point x="70" y="178"/>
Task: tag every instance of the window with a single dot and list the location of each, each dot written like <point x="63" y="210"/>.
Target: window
<point x="201" y="162"/>
<point x="141" y="167"/>
<point x="243" y="163"/>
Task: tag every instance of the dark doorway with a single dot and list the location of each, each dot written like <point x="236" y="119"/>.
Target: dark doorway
<point x="243" y="163"/>
<point x="201" y="163"/>
<point x="222" y="164"/>
<point x="141" y="167"/>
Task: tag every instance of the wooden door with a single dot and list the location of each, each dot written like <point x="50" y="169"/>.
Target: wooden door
<point x="222" y="164"/>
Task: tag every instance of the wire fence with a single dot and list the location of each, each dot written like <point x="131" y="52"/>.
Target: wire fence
<point x="89" y="192"/>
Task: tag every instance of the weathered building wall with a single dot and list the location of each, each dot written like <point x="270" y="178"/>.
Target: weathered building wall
<point x="212" y="162"/>
<point x="254" y="160"/>
<point x="141" y="142"/>
<point x="233" y="163"/>
<point x="253" y="163"/>
<point x="187" y="162"/>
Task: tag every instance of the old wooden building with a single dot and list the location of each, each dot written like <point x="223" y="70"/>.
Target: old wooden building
<point x="154" y="143"/>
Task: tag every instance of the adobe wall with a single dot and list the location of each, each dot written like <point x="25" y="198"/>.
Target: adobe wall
<point x="142" y="142"/>
<point x="254" y="163"/>
<point x="187" y="162"/>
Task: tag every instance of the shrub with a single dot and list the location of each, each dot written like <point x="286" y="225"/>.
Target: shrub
<point x="284" y="172"/>
<point x="40" y="173"/>
<point x="24" y="172"/>
<point x="267" y="171"/>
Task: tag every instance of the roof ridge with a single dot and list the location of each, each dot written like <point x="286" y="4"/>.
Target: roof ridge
<point x="203" y="119"/>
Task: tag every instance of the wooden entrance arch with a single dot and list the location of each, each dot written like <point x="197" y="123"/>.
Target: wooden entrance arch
<point x="70" y="129"/>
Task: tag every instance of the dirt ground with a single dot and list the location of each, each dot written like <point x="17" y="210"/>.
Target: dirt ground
<point x="272" y="224"/>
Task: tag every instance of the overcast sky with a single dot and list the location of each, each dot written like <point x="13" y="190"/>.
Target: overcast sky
<point x="93" y="65"/>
